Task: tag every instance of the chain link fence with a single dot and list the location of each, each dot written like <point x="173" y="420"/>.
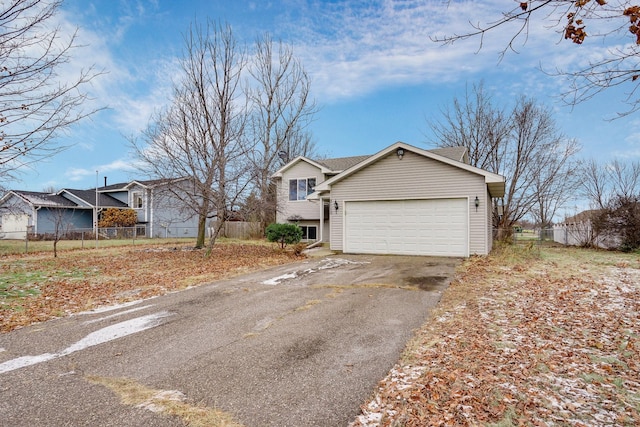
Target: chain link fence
<point x="110" y="236"/>
<point x="521" y="235"/>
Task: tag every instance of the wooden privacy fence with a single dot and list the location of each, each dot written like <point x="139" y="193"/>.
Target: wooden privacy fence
<point x="238" y="230"/>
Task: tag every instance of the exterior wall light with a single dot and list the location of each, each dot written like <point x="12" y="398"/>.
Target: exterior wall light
<point x="477" y="202"/>
<point x="335" y="205"/>
<point x="400" y="152"/>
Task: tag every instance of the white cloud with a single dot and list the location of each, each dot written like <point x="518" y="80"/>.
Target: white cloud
<point x="350" y="51"/>
<point x="77" y="174"/>
<point x="81" y="174"/>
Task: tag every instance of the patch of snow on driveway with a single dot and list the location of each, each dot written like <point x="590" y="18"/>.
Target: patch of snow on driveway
<point x="277" y="280"/>
<point x="100" y="336"/>
<point x="325" y="264"/>
<point x="339" y="262"/>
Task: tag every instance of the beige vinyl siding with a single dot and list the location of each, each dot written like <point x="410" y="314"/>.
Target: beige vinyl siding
<point x="299" y="208"/>
<point x="413" y="177"/>
<point x="489" y="212"/>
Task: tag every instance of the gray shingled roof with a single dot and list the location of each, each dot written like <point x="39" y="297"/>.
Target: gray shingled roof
<point x="454" y="153"/>
<point x="44" y="199"/>
<point x="111" y="187"/>
<point x="341" y="163"/>
<point x="104" y="200"/>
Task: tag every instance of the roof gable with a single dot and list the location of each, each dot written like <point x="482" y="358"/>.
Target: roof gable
<point x="279" y="172"/>
<point x="36" y="198"/>
<point x="334" y="166"/>
<point x="495" y="182"/>
<point x="152" y="183"/>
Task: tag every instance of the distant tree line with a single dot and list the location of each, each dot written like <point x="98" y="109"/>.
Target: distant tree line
<point x="540" y="164"/>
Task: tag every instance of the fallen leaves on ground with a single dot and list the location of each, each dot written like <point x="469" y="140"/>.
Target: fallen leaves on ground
<point x="81" y="280"/>
<point x="531" y="343"/>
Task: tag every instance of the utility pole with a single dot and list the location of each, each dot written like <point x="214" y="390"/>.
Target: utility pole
<point x="95" y="215"/>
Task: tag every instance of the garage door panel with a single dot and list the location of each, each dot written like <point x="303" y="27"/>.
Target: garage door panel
<point x="412" y="227"/>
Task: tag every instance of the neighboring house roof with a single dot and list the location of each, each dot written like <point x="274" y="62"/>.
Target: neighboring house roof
<point x="41" y="199"/>
<point x="495" y="182"/>
<point x="113" y="187"/>
<point x="88" y="197"/>
<point x="66" y="198"/>
<point x="582" y="217"/>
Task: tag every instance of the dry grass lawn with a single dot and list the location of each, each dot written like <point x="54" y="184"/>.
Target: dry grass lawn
<point x="38" y="287"/>
<point x="525" y="337"/>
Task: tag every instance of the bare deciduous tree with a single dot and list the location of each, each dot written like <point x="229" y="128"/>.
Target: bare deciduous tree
<point x="555" y="184"/>
<point x="525" y="146"/>
<point x="62" y="221"/>
<point x="625" y="177"/>
<point x="595" y="184"/>
<point x="281" y="110"/>
<point x="37" y="100"/>
<point x="478" y="125"/>
<point x="201" y="134"/>
<point x="577" y="22"/>
<point x="603" y="182"/>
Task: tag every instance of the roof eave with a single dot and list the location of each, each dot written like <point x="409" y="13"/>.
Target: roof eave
<point x="323" y="169"/>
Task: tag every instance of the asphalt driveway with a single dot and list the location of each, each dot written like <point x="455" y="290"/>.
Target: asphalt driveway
<point x="298" y="345"/>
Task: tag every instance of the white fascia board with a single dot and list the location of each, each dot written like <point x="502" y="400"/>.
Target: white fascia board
<point x="280" y="171"/>
<point x="10" y="194"/>
<point x="489" y="176"/>
<point x="132" y="183"/>
<point x="316" y="195"/>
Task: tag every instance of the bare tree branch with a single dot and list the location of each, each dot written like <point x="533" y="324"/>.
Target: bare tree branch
<point x="523" y="145"/>
<point x="281" y="110"/>
<point x="200" y="136"/>
<point x="573" y="20"/>
<point x="36" y="101"/>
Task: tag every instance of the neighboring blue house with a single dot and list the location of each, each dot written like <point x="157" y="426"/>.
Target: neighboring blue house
<point x="159" y="211"/>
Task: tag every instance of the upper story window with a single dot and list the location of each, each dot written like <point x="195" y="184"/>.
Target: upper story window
<point x="301" y="188"/>
<point x="137" y="200"/>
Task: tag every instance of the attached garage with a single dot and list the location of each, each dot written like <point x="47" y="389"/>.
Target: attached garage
<point x="15" y="226"/>
<point x="434" y="227"/>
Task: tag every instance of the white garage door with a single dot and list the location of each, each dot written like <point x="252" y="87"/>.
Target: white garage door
<point x="437" y="227"/>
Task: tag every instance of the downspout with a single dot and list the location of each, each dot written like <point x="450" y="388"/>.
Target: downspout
<point x="319" y="241"/>
<point x="321" y="219"/>
<point x="150" y="206"/>
<point x="34" y="217"/>
<point x="314" y="244"/>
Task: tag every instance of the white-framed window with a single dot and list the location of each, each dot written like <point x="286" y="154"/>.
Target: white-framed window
<point x="309" y="232"/>
<point x="301" y="188"/>
<point x="136" y="200"/>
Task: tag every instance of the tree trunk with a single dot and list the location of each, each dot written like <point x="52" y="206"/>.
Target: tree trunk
<point x="202" y="227"/>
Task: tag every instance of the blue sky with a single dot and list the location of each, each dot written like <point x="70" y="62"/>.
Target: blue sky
<point x="376" y="75"/>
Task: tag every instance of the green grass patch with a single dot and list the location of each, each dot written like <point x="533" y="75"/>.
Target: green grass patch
<point x="21" y="281"/>
<point x="22" y="284"/>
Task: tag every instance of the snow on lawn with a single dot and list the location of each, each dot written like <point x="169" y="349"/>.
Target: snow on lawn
<point x="530" y="346"/>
